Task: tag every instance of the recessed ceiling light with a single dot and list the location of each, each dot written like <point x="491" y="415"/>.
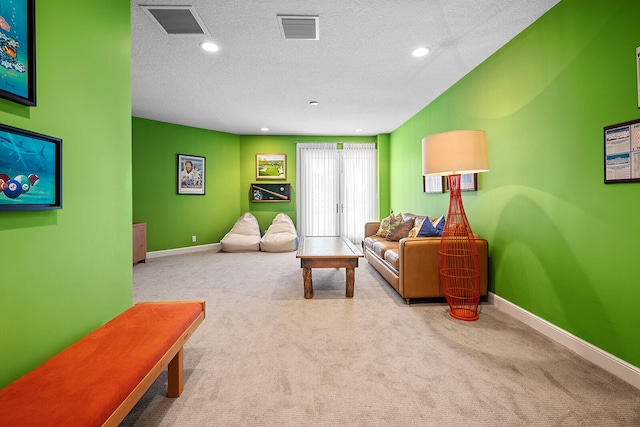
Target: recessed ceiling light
<point x="314" y="103"/>
<point x="264" y="129"/>
<point x="421" y="51"/>
<point x="358" y="130"/>
<point x="209" y="46"/>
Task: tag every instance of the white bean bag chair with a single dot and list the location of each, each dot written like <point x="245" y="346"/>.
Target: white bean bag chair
<point x="244" y="236"/>
<point x="281" y="235"/>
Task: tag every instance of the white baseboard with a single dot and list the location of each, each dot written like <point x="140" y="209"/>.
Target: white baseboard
<point x="595" y="355"/>
<point x="210" y="247"/>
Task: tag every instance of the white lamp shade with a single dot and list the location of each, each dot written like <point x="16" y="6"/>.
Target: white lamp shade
<point x="455" y="152"/>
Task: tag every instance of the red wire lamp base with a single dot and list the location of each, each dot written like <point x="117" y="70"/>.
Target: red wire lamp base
<point x="452" y="154"/>
<point x="459" y="259"/>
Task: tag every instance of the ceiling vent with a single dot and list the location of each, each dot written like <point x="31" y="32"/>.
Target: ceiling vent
<point x="299" y="27"/>
<point x="176" y="20"/>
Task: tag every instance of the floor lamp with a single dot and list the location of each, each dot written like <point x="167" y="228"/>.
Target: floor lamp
<point x="452" y="154"/>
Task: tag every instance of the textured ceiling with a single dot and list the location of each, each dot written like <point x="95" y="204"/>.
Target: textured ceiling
<point x="360" y="70"/>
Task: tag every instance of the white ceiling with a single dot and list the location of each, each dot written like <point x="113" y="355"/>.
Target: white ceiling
<point x="360" y="70"/>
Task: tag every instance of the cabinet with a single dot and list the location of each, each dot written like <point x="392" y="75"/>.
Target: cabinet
<point x="139" y="242"/>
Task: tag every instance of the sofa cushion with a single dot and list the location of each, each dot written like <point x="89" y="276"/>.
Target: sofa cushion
<point x="368" y="242"/>
<point x="400" y="230"/>
<point x="391" y="256"/>
<point x="408" y="216"/>
<point x="379" y="246"/>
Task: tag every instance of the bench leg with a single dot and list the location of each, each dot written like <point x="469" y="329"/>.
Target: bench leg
<point x="176" y="375"/>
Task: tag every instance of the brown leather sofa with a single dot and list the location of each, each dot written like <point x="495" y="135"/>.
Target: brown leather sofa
<point x="411" y="264"/>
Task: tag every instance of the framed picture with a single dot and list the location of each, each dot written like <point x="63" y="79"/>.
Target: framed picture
<point x="270" y="192"/>
<point x="638" y="72"/>
<point x="433" y="184"/>
<point x="622" y="152"/>
<point x="191" y="170"/>
<point x="17" y="51"/>
<point x="30" y="170"/>
<point x="271" y="166"/>
<point x="469" y="182"/>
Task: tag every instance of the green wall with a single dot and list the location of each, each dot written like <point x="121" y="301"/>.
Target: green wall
<point x="251" y="145"/>
<point x="563" y="245"/>
<point x="230" y="169"/>
<point x="173" y="218"/>
<point x="384" y="172"/>
<point x="66" y="272"/>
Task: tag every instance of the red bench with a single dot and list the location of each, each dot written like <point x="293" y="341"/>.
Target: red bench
<point x="100" y="378"/>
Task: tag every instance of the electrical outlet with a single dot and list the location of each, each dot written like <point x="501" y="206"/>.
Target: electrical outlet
<point x="193" y="239"/>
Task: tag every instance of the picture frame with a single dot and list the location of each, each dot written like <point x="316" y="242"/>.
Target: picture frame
<point x="30" y="170"/>
<point x="191" y="174"/>
<point x="269" y="192"/>
<point x="622" y="152"/>
<point x="433" y="184"/>
<point x="638" y="73"/>
<point x="271" y="166"/>
<point x="469" y="182"/>
<point x="17" y="51"/>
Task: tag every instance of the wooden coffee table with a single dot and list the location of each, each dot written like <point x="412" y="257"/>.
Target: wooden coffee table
<point x="327" y="252"/>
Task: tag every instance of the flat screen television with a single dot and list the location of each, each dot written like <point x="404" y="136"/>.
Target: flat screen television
<point x="30" y="170"/>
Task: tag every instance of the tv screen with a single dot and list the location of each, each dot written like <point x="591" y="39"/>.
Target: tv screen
<point x="30" y="170"/>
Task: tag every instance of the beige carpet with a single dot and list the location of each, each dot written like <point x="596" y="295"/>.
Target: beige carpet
<point x="265" y="356"/>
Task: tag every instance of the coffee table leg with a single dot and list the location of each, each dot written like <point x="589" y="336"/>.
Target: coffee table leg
<point x="308" y="283"/>
<point x="351" y="274"/>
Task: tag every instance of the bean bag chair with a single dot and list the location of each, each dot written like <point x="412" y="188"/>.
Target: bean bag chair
<point x="244" y="236"/>
<point x="281" y="235"/>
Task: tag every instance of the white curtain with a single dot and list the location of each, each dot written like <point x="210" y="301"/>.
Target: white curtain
<point x="359" y="188"/>
<point x="337" y="190"/>
<point x="317" y="186"/>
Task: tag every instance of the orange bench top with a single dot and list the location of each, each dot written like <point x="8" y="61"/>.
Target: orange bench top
<point x="86" y="382"/>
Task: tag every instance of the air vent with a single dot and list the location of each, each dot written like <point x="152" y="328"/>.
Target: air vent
<point x="176" y="20"/>
<point x="299" y="27"/>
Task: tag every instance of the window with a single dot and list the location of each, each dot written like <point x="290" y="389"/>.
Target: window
<point x="337" y="190"/>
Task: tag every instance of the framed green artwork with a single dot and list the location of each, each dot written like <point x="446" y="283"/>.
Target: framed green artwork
<point x="271" y="166"/>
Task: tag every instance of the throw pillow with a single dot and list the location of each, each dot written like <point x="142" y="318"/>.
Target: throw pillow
<point x="417" y="223"/>
<point x="386" y="223"/>
<point x="432" y="227"/>
<point x="400" y="230"/>
<point x="383" y="229"/>
<point x="438" y="223"/>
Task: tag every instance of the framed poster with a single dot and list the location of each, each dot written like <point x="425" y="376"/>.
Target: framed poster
<point x="469" y="182"/>
<point x="433" y="184"/>
<point x="271" y="166"/>
<point x="622" y="152"/>
<point x="638" y="72"/>
<point x="191" y="170"/>
<point x="17" y="51"/>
